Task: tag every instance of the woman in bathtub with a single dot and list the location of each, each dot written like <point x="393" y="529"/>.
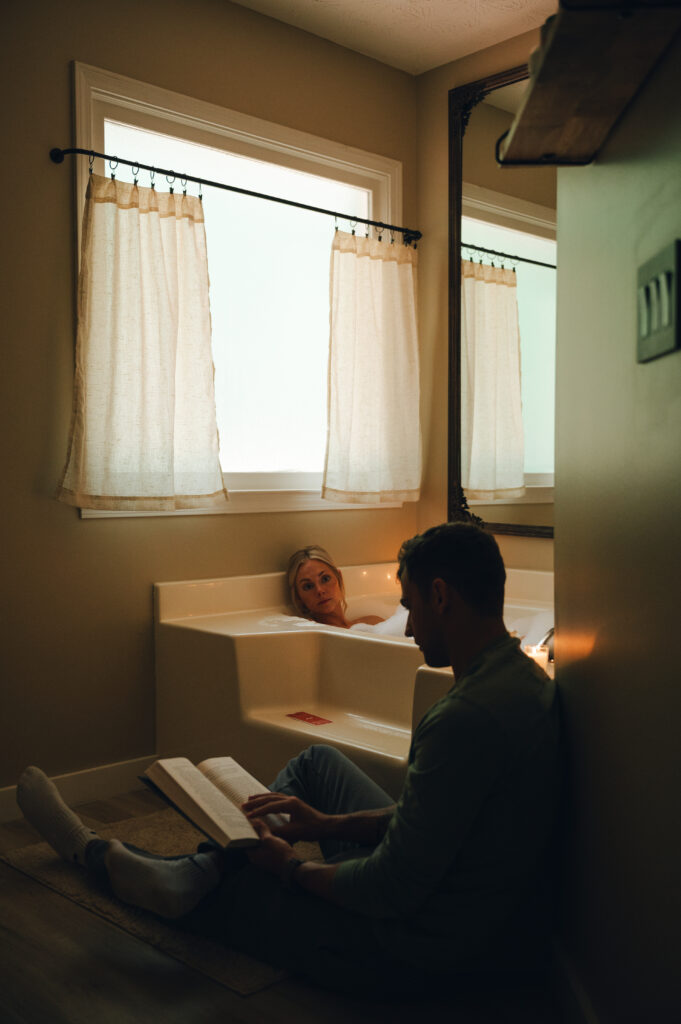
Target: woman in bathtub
<point x="317" y="589"/>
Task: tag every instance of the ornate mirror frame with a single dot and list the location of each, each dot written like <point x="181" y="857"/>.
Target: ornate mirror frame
<point x="461" y="103"/>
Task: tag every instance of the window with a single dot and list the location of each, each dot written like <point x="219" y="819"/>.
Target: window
<point x="270" y="316"/>
<point x="536" y="292"/>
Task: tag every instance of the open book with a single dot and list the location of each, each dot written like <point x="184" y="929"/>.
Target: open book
<point x="210" y="796"/>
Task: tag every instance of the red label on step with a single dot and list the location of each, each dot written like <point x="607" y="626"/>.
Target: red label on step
<point x="305" y="716"/>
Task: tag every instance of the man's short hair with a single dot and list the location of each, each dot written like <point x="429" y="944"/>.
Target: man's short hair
<point x="464" y="556"/>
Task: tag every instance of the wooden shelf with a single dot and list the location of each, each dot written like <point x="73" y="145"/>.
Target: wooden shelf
<point x="592" y="62"/>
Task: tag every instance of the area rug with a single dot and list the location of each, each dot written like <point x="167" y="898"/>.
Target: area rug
<point x="166" y="833"/>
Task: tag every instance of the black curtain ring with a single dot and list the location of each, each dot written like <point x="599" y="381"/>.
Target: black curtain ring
<point x="113" y="164"/>
<point x="170" y="178"/>
<point x="152" y="175"/>
<point x="183" y="182"/>
<point x="200" y="191"/>
<point x="135" y="172"/>
<point x="91" y="160"/>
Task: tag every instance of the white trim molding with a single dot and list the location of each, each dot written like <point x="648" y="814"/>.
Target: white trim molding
<point x="508" y="211"/>
<point x="241" y="502"/>
<point x="99" y="93"/>
<point x="81" y="787"/>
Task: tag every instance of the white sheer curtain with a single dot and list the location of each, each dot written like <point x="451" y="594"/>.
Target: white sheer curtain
<point x="373" y="449"/>
<point x="492" y="446"/>
<point x="143" y="432"/>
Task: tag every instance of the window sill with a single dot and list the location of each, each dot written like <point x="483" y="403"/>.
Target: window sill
<point x="532" y="496"/>
<point x="249" y="503"/>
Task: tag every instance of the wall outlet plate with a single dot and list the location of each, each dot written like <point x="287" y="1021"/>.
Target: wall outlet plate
<point x="659" y="290"/>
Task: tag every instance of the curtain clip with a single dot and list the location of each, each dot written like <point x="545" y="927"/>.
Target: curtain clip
<point x="91" y="160"/>
<point x="170" y="178"/>
<point x="135" y="172"/>
<point x="152" y="177"/>
<point x="183" y="182"/>
<point x="113" y="164"/>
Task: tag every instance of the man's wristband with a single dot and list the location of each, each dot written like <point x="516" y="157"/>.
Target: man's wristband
<point x="287" y="875"/>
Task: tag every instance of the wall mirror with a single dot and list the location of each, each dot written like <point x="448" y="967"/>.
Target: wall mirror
<point x="519" y="201"/>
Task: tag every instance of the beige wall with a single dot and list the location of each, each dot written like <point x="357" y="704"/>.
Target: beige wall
<point x="618" y="567"/>
<point x="538" y="186"/>
<point x="76" y="646"/>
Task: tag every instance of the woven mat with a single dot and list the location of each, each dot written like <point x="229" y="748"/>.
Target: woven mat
<point x="165" y="833"/>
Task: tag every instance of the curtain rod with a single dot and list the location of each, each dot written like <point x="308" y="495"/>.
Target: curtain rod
<point x="508" y="256"/>
<point x="57" y="156"/>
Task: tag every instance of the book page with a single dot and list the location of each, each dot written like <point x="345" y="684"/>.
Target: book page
<point x="210" y="809"/>
<point x="237" y="784"/>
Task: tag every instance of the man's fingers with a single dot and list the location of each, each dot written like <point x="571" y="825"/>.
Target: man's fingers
<point x="261" y="827"/>
<point x="266" y="798"/>
<point x="274" y="804"/>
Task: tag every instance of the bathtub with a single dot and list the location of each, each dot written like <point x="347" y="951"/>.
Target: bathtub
<point x="238" y="673"/>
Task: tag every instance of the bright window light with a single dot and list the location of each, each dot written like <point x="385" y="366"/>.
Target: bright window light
<point x="269" y="296"/>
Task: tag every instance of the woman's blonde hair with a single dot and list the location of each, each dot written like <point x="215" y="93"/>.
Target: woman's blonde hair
<point x="298" y="558"/>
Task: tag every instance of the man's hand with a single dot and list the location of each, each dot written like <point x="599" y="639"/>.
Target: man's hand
<point x="272" y="853"/>
<point x="305" y="822"/>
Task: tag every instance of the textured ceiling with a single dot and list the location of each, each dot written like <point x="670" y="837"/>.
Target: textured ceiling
<point x="413" y="35"/>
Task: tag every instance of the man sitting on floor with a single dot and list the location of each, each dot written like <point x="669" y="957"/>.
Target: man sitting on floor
<point x="447" y="882"/>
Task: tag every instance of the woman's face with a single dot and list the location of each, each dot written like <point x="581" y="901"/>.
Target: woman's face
<point x="318" y="589"/>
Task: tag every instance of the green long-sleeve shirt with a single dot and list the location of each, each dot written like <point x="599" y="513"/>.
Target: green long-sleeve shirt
<point x="464" y="845"/>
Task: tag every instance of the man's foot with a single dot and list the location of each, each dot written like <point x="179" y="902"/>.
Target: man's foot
<point x="169" y="888"/>
<point x="44" y="808"/>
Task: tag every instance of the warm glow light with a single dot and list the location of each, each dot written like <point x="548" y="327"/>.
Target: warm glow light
<point x="538" y="653"/>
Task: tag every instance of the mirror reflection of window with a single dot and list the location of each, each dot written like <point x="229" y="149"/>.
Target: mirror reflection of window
<point x="536" y="292"/>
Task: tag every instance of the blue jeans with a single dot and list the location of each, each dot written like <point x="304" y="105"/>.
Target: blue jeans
<point x="329" y="781"/>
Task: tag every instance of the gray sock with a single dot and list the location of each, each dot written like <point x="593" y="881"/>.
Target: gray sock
<point x="44" y="808"/>
<point x="169" y="888"/>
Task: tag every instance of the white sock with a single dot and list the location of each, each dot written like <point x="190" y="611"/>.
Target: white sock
<point x="44" y="808"/>
<point x="169" y="888"/>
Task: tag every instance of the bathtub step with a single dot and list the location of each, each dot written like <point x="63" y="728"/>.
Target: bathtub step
<point x="327" y="724"/>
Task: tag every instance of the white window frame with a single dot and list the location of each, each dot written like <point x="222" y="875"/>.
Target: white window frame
<point x="532" y="218"/>
<point x="101" y="94"/>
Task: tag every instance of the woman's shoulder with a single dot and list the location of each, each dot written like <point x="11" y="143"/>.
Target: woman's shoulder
<point x="368" y="620"/>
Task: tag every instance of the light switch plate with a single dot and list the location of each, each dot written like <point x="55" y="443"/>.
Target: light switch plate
<point x="658" y="330"/>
